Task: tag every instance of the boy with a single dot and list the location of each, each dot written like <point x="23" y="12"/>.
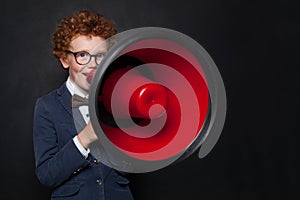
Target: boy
<point x="63" y="160"/>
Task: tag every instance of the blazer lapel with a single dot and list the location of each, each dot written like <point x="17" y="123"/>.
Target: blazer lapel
<point x="65" y="97"/>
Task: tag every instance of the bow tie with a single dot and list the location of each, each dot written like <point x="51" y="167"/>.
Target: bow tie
<point x="77" y="101"/>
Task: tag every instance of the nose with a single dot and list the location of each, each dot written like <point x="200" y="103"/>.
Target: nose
<point x="93" y="63"/>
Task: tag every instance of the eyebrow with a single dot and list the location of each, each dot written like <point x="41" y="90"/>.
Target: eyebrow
<point x="102" y="52"/>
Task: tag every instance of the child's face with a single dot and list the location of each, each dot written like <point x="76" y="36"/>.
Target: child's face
<point x="78" y="73"/>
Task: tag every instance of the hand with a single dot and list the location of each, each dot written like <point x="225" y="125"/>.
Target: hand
<point x="87" y="135"/>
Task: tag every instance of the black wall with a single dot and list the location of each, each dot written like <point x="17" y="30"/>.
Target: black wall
<point x="256" y="48"/>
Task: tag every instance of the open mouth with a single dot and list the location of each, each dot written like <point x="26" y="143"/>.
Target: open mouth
<point x="90" y="75"/>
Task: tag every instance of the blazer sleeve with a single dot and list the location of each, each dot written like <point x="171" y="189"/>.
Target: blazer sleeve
<point x="53" y="165"/>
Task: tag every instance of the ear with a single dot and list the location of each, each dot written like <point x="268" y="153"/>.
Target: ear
<point x="64" y="62"/>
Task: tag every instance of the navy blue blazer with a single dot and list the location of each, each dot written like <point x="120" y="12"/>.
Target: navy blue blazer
<point x="60" y="165"/>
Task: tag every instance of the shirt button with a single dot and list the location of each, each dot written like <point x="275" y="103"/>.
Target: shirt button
<point x="99" y="181"/>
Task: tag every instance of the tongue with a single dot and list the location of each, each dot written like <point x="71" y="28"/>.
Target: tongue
<point x="90" y="76"/>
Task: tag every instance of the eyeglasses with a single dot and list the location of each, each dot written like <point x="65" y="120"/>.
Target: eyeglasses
<point x="83" y="57"/>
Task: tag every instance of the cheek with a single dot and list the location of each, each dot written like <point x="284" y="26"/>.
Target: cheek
<point x="75" y="68"/>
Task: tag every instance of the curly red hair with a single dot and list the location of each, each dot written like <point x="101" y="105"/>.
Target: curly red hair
<point x="80" y="23"/>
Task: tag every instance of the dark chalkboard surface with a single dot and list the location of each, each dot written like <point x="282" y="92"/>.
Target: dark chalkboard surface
<point x="256" y="48"/>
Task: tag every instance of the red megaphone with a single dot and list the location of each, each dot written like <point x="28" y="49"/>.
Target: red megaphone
<point x="154" y="100"/>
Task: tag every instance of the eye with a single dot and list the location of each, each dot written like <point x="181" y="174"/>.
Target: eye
<point x="100" y="55"/>
<point x="82" y="54"/>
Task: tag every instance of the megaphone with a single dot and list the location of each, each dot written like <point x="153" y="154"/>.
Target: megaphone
<point x="156" y="97"/>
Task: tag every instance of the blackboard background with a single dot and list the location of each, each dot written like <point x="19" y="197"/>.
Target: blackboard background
<point x="256" y="48"/>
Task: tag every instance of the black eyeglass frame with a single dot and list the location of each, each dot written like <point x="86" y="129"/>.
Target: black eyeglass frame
<point x="99" y="55"/>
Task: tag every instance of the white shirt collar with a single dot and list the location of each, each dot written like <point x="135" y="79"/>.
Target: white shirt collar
<point x="73" y="89"/>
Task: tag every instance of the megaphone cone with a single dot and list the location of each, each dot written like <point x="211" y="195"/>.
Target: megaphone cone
<point x="153" y="99"/>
